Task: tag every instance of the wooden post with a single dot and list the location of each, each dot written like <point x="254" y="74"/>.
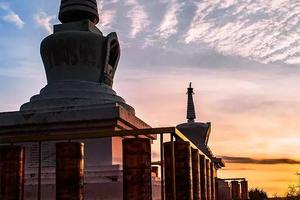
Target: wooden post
<point x="12" y="166"/>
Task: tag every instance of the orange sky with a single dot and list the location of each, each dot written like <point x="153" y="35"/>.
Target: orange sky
<point x="244" y="65"/>
<point x="250" y="127"/>
<point x="272" y="178"/>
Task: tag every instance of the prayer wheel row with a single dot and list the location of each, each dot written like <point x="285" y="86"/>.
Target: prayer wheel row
<point x="194" y="174"/>
<point x="239" y="190"/>
<point x="69" y="171"/>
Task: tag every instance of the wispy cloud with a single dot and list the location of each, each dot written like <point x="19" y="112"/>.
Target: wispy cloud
<point x="138" y="16"/>
<point x="265" y="31"/>
<point x="4" y="6"/>
<point x="168" y="26"/>
<point x="11" y="16"/>
<point x="43" y="20"/>
<point x="248" y="160"/>
<point x="106" y="15"/>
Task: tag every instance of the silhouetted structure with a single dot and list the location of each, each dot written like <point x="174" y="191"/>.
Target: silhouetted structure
<point x="232" y="188"/>
<point x="83" y="141"/>
<point x="198" y="133"/>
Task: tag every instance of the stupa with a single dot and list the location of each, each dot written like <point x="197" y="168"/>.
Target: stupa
<point x="80" y="64"/>
<point x="197" y="132"/>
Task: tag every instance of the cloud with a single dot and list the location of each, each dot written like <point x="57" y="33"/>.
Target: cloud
<point x="138" y="16"/>
<point x="265" y="31"/>
<point x="106" y="15"/>
<point x="43" y="20"/>
<point x="11" y="16"/>
<point x="248" y="160"/>
<point x="168" y="26"/>
<point x="257" y="30"/>
<point x="4" y="6"/>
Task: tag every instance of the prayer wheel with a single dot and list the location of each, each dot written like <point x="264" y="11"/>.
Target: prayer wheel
<point x="196" y="174"/>
<point x="203" y="177"/>
<point x="69" y="171"/>
<point x="235" y="190"/>
<point x="12" y="163"/>
<point x="137" y="181"/>
<point x="183" y="170"/>
<point x="244" y="190"/>
<point x="208" y="179"/>
<point x="213" y="183"/>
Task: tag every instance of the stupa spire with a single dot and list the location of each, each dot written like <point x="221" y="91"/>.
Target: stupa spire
<point x="191" y="115"/>
<point x="77" y="10"/>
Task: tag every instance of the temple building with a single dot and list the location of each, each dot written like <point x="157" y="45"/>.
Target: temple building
<point x="77" y="139"/>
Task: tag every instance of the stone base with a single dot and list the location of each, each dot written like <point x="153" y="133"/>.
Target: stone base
<point x="110" y="116"/>
<point x="65" y="95"/>
<point x="102" y="182"/>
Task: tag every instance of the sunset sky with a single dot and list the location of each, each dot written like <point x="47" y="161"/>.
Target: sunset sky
<point x="243" y="58"/>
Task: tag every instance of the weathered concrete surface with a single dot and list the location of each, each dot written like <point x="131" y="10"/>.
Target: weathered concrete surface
<point x="22" y="122"/>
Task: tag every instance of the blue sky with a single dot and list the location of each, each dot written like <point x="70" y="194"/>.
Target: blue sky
<point x="242" y="57"/>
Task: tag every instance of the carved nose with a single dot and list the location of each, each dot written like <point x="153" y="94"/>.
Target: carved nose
<point x="76" y="10"/>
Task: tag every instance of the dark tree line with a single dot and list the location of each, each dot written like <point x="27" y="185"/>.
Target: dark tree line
<point x="257" y="194"/>
<point x="292" y="194"/>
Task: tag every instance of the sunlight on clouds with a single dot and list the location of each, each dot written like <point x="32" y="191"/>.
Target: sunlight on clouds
<point x="106" y="15"/>
<point x="168" y="26"/>
<point x="106" y="19"/>
<point x="138" y="16"/>
<point x="43" y="20"/>
<point x="11" y="16"/>
<point x="265" y="31"/>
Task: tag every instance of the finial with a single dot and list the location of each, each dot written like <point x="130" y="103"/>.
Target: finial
<point x="76" y="10"/>
<point x="191" y="115"/>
